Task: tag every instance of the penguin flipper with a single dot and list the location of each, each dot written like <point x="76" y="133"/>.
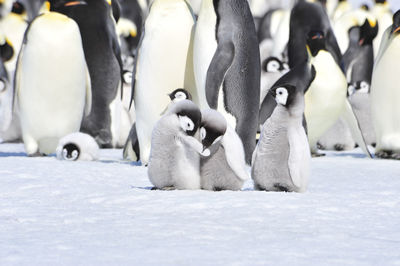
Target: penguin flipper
<point x="193" y="143"/>
<point x="354" y="127"/>
<point x="234" y="153"/>
<point x="88" y="97"/>
<point x="383" y="45"/>
<point x="131" y="148"/>
<point x="219" y="65"/>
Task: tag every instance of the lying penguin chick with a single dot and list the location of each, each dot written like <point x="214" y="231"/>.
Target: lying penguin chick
<point x="225" y="168"/>
<point x="77" y="146"/>
<point x="174" y="155"/>
<point x="282" y="157"/>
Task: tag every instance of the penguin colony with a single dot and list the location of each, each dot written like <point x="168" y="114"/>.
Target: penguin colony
<point x="198" y="91"/>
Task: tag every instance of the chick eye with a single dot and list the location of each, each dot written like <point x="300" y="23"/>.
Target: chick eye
<point x="186" y="123"/>
<point x="203" y="133"/>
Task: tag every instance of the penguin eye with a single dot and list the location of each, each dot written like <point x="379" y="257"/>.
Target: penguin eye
<point x="203" y="133"/>
<point x="186" y="123"/>
<point x="2" y="86"/>
<point x="180" y="95"/>
<point x="273" y="66"/>
<point x="127" y="77"/>
<point x="281" y="95"/>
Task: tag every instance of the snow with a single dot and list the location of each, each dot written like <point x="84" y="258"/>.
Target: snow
<point x="103" y="213"/>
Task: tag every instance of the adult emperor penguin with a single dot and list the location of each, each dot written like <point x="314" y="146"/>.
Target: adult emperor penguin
<point x="130" y="24"/>
<point x="232" y="83"/>
<point x="326" y="99"/>
<point x="175" y="152"/>
<point x="167" y="28"/>
<point x="281" y="160"/>
<point x="385" y="93"/>
<point x="103" y="56"/>
<point x="304" y="18"/>
<point x="225" y="167"/>
<point x="50" y="103"/>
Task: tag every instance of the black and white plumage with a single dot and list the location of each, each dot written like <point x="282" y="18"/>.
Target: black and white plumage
<point x="77" y="146"/>
<point x="282" y="156"/>
<point x="175" y="152"/>
<point x="225" y="168"/>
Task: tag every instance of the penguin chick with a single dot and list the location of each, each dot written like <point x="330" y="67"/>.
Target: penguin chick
<point x="77" y="146"/>
<point x="272" y="69"/>
<point x="225" y="168"/>
<point x="174" y="155"/>
<point x="281" y="160"/>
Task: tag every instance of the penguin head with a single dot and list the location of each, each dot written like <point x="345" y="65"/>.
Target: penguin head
<point x="380" y="1"/>
<point x="180" y="94"/>
<point x="213" y="127"/>
<point x="127" y="77"/>
<point x="368" y="32"/>
<point x="396" y="23"/>
<point x="284" y="95"/>
<point x="316" y="42"/>
<point x="364" y="7"/>
<point x="188" y="115"/>
<point x="70" y="152"/>
<point x="358" y="87"/>
<point x="18" y="8"/>
<point x="273" y="65"/>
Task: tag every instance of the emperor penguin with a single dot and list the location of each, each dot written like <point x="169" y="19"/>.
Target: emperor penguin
<point x="281" y="160"/>
<point x="225" y="167"/>
<point x="162" y="63"/>
<point x="103" y="56"/>
<point x="304" y="18"/>
<point x="131" y="148"/>
<point x="326" y="99"/>
<point x="50" y="103"/>
<point x="175" y="151"/>
<point x="77" y="146"/>
<point x="385" y="93"/>
<point x="232" y="83"/>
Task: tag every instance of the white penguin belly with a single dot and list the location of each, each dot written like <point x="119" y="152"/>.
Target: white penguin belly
<point x="325" y="98"/>
<point x="52" y="81"/>
<point x="205" y="46"/>
<point x="385" y="97"/>
<point x="161" y="65"/>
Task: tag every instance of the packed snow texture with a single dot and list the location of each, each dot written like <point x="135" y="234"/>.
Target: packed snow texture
<point x="103" y="213"/>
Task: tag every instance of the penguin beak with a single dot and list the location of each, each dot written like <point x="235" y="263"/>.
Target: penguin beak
<point x="396" y="30"/>
<point x="75" y="3"/>
<point x="361" y="42"/>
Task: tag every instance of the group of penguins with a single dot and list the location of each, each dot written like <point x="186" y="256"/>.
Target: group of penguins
<point x="198" y="90"/>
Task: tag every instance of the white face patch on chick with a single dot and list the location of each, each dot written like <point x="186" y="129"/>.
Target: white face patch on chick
<point x="186" y="123"/>
<point x="281" y="95"/>
<point x="273" y="66"/>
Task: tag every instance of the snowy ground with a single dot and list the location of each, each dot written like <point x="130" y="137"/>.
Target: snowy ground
<point x="104" y="213"/>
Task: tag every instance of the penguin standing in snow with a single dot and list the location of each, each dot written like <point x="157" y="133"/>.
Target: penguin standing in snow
<point x="162" y="63"/>
<point x="385" y="93"/>
<point x="175" y="152"/>
<point x="103" y="56"/>
<point x="281" y="160"/>
<point x="52" y="91"/>
<point x="225" y="168"/>
<point x="232" y="83"/>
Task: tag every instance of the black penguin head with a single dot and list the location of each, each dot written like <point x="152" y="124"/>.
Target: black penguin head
<point x="18" y="8"/>
<point x="380" y="1"/>
<point x="273" y="65"/>
<point x="368" y="32"/>
<point x="55" y="4"/>
<point x="396" y="23"/>
<point x="358" y="87"/>
<point x="70" y="152"/>
<point x="180" y="94"/>
<point x="213" y="127"/>
<point x="188" y="114"/>
<point x="365" y="7"/>
<point x="284" y="94"/>
<point x="316" y="41"/>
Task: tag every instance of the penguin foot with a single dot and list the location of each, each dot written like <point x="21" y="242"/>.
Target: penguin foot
<point x="154" y="188"/>
<point x="388" y="155"/>
<point x="168" y="188"/>
<point x="339" y="147"/>
<point x="317" y="154"/>
<point x="36" y="154"/>
<point x="280" y="187"/>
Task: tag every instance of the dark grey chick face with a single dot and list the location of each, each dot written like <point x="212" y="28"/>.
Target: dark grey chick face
<point x="284" y="95"/>
<point x="70" y="152"/>
<point x="188" y="114"/>
<point x="213" y="127"/>
<point x="180" y="94"/>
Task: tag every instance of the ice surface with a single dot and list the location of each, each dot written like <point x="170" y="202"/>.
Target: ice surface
<point x="104" y="213"/>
